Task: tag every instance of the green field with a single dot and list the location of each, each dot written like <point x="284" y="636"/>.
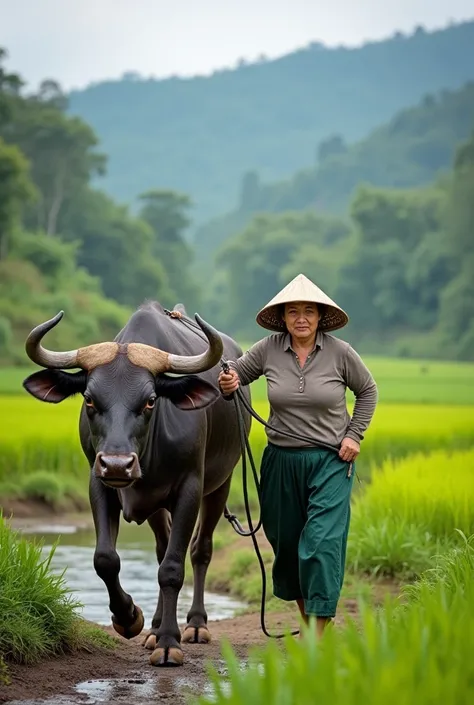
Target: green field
<point x="413" y="382"/>
<point x="399" y="381"/>
<point x="423" y="407"/>
<point x="417" y="489"/>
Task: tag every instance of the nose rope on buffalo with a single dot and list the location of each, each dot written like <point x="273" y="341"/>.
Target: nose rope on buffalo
<point x="239" y="400"/>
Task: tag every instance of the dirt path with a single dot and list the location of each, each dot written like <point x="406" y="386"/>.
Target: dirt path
<point x="125" y="676"/>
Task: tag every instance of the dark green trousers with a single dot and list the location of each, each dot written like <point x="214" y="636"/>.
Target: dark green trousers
<point x="305" y="496"/>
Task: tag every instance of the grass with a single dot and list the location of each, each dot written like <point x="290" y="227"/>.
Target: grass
<point x="399" y="381"/>
<point x="38" y="438"/>
<point x="38" y="614"/>
<point x="409" y="510"/>
<point x="396" y="432"/>
<point x="235" y="571"/>
<point x="412" y="652"/>
<point x="412" y="382"/>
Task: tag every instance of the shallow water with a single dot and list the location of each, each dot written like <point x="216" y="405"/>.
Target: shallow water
<point x="138" y="574"/>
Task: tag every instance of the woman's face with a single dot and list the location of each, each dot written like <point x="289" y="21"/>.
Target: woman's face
<point x="302" y="319"/>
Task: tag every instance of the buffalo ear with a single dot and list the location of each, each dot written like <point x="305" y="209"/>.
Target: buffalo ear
<point x="54" y="386"/>
<point x="187" y="393"/>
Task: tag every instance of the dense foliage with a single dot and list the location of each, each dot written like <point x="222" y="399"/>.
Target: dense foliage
<point x="200" y="135"/>
<point x="402" y="265"/>
<point x="400" y="260"/>
<point x="65" y="245"/>
<point x="407" y="151"/>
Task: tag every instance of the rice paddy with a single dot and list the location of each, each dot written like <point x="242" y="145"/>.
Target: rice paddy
<point x="416" y="501"/>
<point x="423" y="407"/>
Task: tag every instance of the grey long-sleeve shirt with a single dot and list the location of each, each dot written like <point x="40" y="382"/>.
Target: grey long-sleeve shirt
<point x="311" y="400"/>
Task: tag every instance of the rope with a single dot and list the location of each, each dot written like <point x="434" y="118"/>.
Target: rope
<point x="239" y="400"/>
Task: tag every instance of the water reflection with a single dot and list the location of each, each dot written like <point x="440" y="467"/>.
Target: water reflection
<point x="138" y="573"/>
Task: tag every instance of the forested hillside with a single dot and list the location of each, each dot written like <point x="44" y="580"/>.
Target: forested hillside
<point x="400" y="260"/>
<point x="409" y="150"/>
<point x="65" y="245"/>
<point x="200" y="135"/>
<point x="402" y="266"/>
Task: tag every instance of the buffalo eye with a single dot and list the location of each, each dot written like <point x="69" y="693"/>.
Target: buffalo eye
<point x="150" y="404"/>
<point x="89" y="401"/>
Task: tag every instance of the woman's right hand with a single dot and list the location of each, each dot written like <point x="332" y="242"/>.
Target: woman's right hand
<point x="229" y="382"/>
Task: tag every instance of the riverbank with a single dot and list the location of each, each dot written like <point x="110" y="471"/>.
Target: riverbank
<point x="125" y="675"/>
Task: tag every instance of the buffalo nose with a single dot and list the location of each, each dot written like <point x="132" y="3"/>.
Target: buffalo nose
<point x="118" y="470"/>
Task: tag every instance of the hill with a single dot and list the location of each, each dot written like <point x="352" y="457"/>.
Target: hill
<point x="200" y="135"/>
<point x="408" y="151"/>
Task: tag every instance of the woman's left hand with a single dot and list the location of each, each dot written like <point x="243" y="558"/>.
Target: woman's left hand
<point x="350" y="449"/>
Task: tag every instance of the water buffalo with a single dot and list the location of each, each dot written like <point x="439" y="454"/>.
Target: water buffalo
<point x="161" y="449"/>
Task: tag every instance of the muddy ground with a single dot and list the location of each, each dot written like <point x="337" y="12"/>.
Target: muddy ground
<point x="125" y="676"/>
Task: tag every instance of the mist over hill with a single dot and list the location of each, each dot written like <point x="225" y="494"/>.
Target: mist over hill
<point x="200" y="135"/>
<point x="416" y="146"/>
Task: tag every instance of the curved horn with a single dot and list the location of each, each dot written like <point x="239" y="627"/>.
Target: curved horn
<point x="199" y="363"/>
<point x="48" y="358"/>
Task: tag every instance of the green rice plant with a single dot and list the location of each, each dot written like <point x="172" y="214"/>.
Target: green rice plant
<point x="399" y="381"/>
<point x="37" y="436"/>
<point x="410" y="511"/>
<point x="43" y="485"/>
<point x="454" y="569"/>
<point x="38" y="613"/>
<point x="11" y="379"/>
<point x="397" y="431"/>
<point x="414" y="653"/>
<point x="411" y="382"/>
<point x="49" y="487"/>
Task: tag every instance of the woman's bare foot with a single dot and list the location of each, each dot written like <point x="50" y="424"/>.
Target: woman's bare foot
<point x="321" y="622"/>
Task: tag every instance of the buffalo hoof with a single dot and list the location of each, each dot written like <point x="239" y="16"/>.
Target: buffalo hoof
<point x="149" y="642"/>
<point x="169" y="656"/>
<point x="133" y="629"/>
<point x="196" y="635"/>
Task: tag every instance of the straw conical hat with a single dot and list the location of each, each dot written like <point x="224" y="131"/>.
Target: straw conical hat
<point x="301" y="289"/>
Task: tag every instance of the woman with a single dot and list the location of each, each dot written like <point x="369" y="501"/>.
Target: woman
<point x="305" y="487"/>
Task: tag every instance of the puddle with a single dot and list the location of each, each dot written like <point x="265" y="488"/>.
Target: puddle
<point x="160" y="688"/>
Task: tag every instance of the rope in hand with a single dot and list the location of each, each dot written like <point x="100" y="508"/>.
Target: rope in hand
<point x="239" y="400"/>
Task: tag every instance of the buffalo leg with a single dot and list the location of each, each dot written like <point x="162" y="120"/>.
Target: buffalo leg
<point x="171" y="572"/>
<point x="127" y="618"/>
<point x="201" y="553"/>
<point x="160" y="523"/>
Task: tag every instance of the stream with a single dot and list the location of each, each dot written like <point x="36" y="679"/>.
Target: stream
<point x="136" y="547"/>
<point x="138" y="574"/>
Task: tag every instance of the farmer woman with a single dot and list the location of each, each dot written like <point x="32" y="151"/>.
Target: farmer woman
<point x="306" y="487"/>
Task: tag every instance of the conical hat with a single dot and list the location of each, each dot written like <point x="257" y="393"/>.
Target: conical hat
<point x="301" y="289"/>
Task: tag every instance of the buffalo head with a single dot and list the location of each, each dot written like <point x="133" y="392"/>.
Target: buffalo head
<point x="121" y="384"/>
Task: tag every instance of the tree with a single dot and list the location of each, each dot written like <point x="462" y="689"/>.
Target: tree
<point x="16" y="190"/>
<point x="457" y="298"/>
<point x="166" y="212"/>
<point x="61" y="150"/>
<point x="330" y="147"/>
<point x="249" y="191"/>
<point x="115" y="247"/>
<point x="270" y="251"/>
<point x="10" y="85"/>
<point x="51" y="93"/>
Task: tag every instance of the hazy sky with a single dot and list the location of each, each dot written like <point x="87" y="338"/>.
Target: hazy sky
<point x="78" y="41"/>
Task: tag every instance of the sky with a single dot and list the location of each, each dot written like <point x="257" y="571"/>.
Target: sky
<point x="81" y="41"/>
